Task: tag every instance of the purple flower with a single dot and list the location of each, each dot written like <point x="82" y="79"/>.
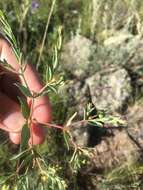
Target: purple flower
<point x="34" y="5"/>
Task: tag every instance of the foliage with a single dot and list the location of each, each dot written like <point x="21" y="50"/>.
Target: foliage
<point x="29" y="156"/>
<point x="55" y="163"/>
<point x="127" y="176"/>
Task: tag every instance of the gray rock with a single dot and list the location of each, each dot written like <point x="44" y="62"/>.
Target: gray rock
<point x="80" y="133"/>
<point x="77" y="95"/>
<point x="111" y="90"/>
<point x="118" y="39"/>
<point x="134" y="117"/>
<point x="76" y="56"/>
<point x="115" y="150"/>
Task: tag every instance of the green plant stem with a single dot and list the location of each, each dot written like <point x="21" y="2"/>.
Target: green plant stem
<point x="45" y="33"/>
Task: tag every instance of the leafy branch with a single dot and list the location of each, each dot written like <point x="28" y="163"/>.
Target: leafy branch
<point x="28" y="158"/>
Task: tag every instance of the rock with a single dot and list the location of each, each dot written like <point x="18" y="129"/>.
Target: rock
<point x="115" y="150"/>
<point x="111" y="90"/>
<point x="77" y="95"/>
<point x="118" y="39"/>
<point x="76" y="56"/>
<point x="87" y="135"/>
<point x="80" y="134"/>
<point x="124" y="49"/>
<point x="135" y="122"/>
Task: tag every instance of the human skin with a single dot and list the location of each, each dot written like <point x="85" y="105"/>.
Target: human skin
<point x="11" y="118"/>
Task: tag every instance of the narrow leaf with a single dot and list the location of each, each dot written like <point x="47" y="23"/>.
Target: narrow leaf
<point x="24" y="90"/>
<point x="49" y="73"/>
<point x="19" y="155"/>
<point x="51" y="88"/>
<point x="4" y="179"/>
<point x="48" y="89"/>
<point x="66" y="138"/>
<point x="6" y="65"/>
<point x="25" y="135"/>
<point x="55" y="58"/>
<point x="71" y="119"/>
<point x="24" y="107"/>
<point x="28" y="159"/>
<point x="6" y="32"/>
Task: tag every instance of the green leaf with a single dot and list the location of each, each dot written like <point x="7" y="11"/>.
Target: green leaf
<point x="6" y="65"/>
<point x="59" y="42"/>
<point x="4" y="179"/>
<point x="49" y="73"/>
<point x="27" y="159"/>
<point x="47" y="90"/>
<point x="50" y="88"/>
<point x="25" y="135"/>
<point x="6" y="32"/>
<point x="95" y="123"/>
<point x="66" y="138"/>
<point x="55" y="58"/>
<point x="24" y="90"/>
<point x="24" y="108"/>
<point x="21" y="154"/>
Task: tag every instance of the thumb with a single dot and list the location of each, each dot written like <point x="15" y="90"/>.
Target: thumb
<point x="37" y="134"/>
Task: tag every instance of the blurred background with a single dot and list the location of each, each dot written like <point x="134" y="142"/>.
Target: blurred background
<point x="101" y="62"/>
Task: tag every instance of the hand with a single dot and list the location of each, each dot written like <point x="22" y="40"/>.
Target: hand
<point x="11" y="118"/>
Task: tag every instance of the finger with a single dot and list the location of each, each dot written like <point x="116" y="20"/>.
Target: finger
<point x="8" y="55"/>
<point x="15" y="137"/>
<point x="11" y="119"/>
<point x="42" y="108"/>
<point x="37" y="134"/>
<point x="8" y="87"/>
<point x="10" y="114"/>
